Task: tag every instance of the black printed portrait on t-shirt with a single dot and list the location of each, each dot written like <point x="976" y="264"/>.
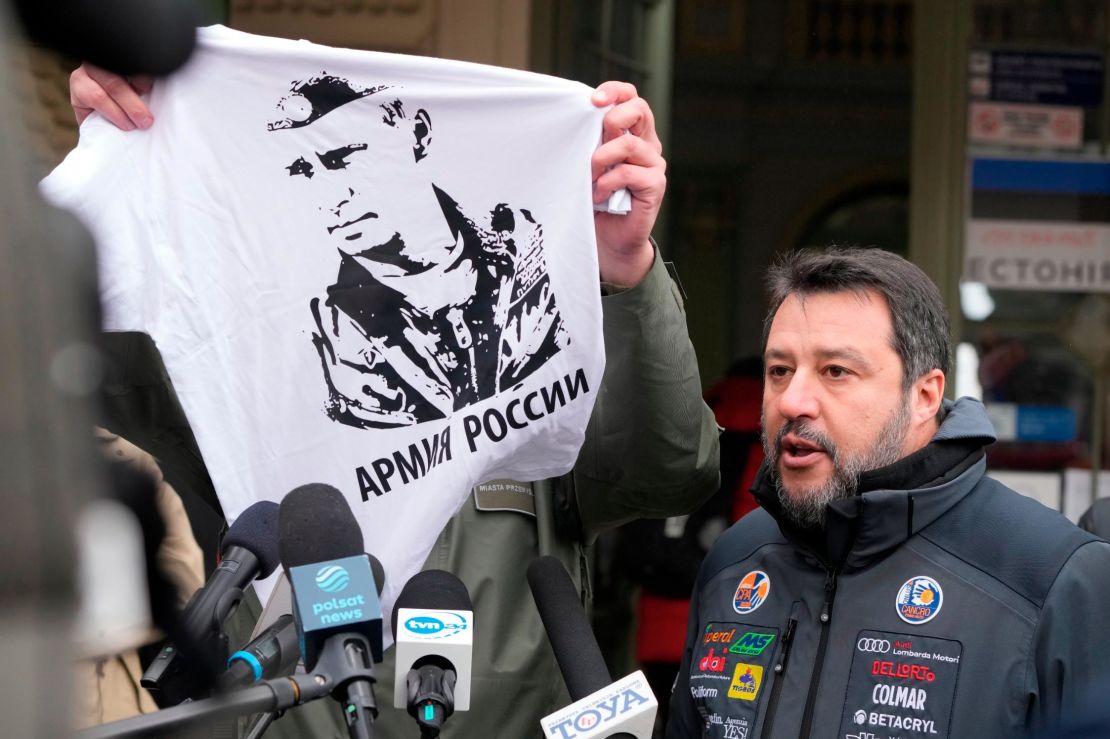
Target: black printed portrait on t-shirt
<point x="431" y="310"/>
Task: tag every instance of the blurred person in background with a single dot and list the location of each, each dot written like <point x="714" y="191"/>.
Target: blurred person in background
<point x="108" y="687"/>
<point x="662" y="557"/>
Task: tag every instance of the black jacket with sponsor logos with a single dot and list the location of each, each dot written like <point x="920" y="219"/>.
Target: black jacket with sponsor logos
<point x="936" y="603"/>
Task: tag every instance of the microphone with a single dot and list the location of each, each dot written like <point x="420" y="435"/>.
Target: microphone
<point x="433" y="627"/>
<point x="249" y="551"/>
<point x="338" y="623"/>
<point x="126" y="36"/>
<point x="275" y="651"/>
<point x="335" y="602"/>
<point x="601" y="708"/>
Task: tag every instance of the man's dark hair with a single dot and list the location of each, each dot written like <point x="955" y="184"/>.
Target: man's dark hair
<point x="921" y="332"/>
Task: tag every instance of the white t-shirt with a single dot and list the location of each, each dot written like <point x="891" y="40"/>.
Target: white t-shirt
<point x="363" y="269"/>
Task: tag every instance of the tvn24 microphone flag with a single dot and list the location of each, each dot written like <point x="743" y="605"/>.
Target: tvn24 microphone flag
<point x="362" y="269"/>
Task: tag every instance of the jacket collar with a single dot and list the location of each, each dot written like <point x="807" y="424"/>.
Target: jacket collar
<point x="895" y="502"/>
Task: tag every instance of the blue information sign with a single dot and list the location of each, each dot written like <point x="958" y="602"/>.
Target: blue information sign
<point x="1045" y="423"/>
<point x="1045" y="77"/>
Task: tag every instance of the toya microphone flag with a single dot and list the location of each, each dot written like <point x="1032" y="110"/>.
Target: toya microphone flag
<point x="362" y="269"/>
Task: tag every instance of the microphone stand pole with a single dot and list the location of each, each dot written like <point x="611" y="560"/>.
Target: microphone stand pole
<point x="269" y="696"/>
<point x="258" y="728"/>
<point x="343" y="671"/>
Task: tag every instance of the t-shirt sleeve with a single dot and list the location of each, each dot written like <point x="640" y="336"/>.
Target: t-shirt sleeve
<point x="105" y="183"/>
<point x="652" y="448"/>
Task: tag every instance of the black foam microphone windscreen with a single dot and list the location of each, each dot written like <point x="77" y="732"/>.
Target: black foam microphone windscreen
<point x="568" y="629"/>
<point x="126" y="36"/>
<point x="323" y="510"/>
<point x="378" y="571"/>
<point x="256" y="530"/>
<point x="433" y="589"/>
<point x="186" y="668"/>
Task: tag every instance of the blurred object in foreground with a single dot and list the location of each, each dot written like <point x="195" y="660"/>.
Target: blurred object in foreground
<point x="126" y="36"/>
<point x="49" y="368"/>
<point x="48" y="377"/>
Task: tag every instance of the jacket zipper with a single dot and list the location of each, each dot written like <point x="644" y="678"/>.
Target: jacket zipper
<point x="780" y="670"/>
<point x="818" y="663"/>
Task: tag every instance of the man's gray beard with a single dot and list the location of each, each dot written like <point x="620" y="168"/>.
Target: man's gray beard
<point x="806" y="507"/>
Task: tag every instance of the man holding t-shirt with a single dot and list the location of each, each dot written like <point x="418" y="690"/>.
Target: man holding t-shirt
<point x="651" y="445"/>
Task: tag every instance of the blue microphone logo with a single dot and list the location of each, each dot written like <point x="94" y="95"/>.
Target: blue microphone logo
<point x="443" y="625"/>
<point x="424" y="625"/>
<point x="332" y="578"/>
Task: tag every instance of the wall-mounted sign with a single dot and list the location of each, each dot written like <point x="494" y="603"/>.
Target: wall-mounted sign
<point x="1016" y="124"/>
<point x="1039" y="225"/>
<point x="1045" y="423"/>
<point x="1049" y="78"/>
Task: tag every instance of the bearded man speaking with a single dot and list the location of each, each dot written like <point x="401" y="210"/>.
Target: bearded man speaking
<point x="888" y="587"/>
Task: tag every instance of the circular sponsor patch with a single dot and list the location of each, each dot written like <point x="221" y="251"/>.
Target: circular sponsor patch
<point x="753" y="589"/>
<point x="919" y="600"/>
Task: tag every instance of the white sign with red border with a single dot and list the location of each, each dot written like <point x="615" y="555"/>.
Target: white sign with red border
<point x="1013" y="124"/>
